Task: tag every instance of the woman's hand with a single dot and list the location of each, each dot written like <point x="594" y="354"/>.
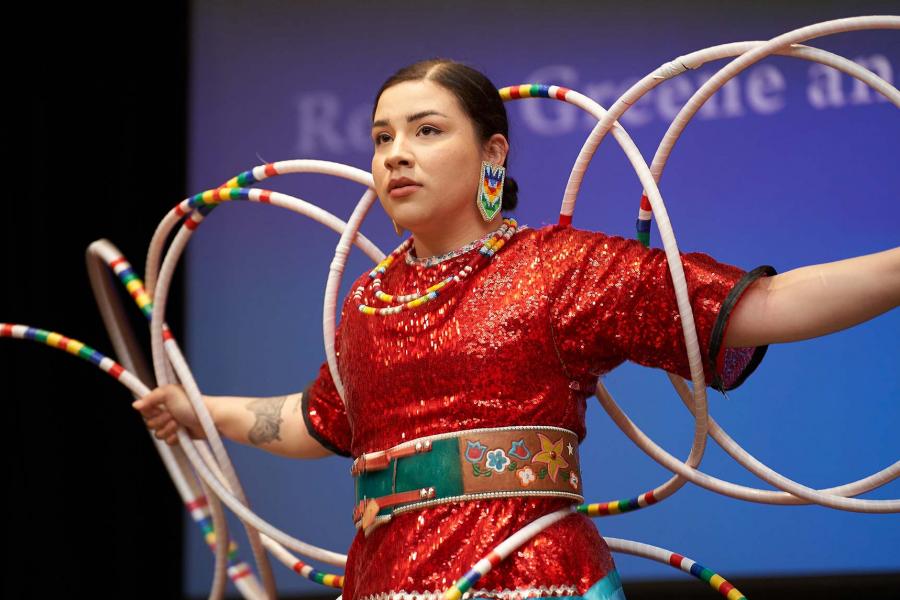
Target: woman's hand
<point x="272" y="423"/>
<point x="167" y="407"/>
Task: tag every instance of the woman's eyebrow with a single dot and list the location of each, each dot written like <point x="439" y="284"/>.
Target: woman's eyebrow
<point x="410" y="118"/>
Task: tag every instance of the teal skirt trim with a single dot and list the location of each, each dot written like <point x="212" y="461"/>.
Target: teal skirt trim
<point x="608" y="588"/>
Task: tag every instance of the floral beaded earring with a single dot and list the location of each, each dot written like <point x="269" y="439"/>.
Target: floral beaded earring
<point x="490" y="190"/>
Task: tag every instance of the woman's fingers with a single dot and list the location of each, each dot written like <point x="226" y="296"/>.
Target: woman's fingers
<point x="159" y="420"/>
<point x="168" y="430"/>
<point x="151" y="400"/>
<point x="156" y="414"/>
<point x="153" y="409"/>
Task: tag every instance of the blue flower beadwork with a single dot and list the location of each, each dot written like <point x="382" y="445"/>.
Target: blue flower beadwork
<point x="497" y="460"/>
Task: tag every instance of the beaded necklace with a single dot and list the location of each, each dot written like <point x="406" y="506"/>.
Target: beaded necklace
<point x="430" y="261"/>
<point x="409" y="301"/>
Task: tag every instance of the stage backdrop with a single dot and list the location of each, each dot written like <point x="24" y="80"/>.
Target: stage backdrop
<point x="791" y="164"/>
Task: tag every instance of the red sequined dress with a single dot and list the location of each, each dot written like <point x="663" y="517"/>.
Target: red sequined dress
<point x="520" y="342"/>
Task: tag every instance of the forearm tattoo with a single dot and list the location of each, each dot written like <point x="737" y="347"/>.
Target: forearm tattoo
<point x="268" y="419"/>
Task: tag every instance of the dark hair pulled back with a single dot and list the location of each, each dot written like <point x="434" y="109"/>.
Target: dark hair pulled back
<point x="478" y="97"/>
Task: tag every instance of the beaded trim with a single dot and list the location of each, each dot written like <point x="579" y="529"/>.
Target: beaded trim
<point x="430" y="261"/>
<point x="455" y="434"/>
<point x="506" y="594"/>
<point x="381" y="520"/>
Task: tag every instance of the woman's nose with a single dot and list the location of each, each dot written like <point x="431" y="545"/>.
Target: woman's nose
<point x="398" y="156"/>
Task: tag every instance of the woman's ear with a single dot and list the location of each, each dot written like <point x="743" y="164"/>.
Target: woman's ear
<point x="496" y="149"/>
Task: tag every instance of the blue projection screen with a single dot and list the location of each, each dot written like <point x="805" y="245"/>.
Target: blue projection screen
<point x="790" y="164"/>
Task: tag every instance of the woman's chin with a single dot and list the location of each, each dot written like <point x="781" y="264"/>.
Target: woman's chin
<point x="413" y="220"/>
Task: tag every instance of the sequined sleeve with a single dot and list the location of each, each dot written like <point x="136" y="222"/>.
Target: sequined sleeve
<point x="323" y="410"/>
<point x="612" y="299"/>
<point x="324" y="413"/>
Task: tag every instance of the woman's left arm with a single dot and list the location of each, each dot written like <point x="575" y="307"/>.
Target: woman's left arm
<point x="816" y="300"/>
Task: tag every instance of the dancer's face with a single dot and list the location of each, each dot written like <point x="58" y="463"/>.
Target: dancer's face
<point x="422" y="133"/>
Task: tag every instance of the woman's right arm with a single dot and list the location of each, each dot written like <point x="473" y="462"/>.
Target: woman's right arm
<point x="272" y="423"/>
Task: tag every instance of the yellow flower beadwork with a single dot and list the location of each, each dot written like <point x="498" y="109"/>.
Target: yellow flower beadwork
<point x="551" y="454"/>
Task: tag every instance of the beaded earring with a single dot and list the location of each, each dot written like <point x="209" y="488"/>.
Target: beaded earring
<point x="490" y="190"/>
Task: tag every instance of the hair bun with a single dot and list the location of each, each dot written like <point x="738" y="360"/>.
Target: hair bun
<point x="510" y="194"/>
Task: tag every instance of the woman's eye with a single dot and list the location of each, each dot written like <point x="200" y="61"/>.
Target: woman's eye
<point x="426" y="130"/>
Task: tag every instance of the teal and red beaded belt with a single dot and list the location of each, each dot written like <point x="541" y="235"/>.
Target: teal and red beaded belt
<point x="496" y="462"/>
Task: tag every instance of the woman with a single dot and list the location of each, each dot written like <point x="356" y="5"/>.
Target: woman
<point x="518" y="343"/>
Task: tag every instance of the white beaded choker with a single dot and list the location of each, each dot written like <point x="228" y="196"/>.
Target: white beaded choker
<point x="430" y="261"/>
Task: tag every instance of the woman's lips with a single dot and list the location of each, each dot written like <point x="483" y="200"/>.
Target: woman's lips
<point x="405" y="190"/>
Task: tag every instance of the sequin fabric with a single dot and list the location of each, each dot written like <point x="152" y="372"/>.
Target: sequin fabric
<point x="521" y="342"/>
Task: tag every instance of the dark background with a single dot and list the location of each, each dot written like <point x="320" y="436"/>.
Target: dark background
<point x="95" y="147"/>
